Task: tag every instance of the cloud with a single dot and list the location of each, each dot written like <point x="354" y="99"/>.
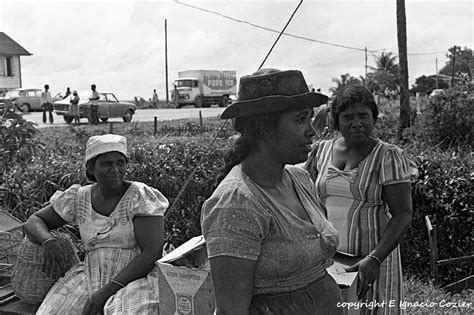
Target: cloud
<point x="120" y="45"/>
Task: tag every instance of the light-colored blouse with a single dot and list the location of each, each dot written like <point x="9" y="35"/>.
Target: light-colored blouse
<point x="241" y="219"/>
<point x="110" y="246"/>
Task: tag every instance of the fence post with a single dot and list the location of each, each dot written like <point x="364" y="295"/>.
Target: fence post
<point x="111" y="127"/>
<point x="433" y="243"/>
<point x="155" y="126"/>
<point x="200" y="122"/>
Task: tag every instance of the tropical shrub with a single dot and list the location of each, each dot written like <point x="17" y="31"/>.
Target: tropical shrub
<point x="446" y="122"/>
<point x="442" y="190"/>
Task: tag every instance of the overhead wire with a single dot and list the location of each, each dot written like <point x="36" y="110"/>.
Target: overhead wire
<point x="190" y="177"/>
<point x="272" y="30"/>
<point x="296" y="36"/>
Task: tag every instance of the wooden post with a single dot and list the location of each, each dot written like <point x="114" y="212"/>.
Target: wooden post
<point x="166" y="62"/>
<point x="200" y="122"/>
<point x="155" y="126"/>
<point x="111" y="127"/>
<point x="433" y="243"/>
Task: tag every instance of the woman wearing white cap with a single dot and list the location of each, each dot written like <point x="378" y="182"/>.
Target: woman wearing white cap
<point x="121" y="225"/>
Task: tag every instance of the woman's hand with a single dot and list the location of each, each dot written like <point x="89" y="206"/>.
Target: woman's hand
<point x="95" y="304"/>
<point x="54" y="265"/>
<point x="368" y="272"/>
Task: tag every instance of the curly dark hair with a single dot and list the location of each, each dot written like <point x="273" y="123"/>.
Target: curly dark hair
<point x="253" y="129"/>
<point x="349" y="96"/>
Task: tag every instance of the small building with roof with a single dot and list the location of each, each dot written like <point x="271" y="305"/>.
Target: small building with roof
<point x="10" y="64"/>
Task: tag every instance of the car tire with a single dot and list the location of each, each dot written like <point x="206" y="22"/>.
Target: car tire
<point x="25" y="107"/>
<point x="68" y="119"/>
<point x="198" y="102"/>
<point x="104" y="119"/>
<point x="128" y="116"/>
<point x="225" y="101"/>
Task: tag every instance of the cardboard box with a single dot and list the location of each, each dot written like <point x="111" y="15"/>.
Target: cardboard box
<point x="185" y="285"/>
<point x="347" y="281"/>
<point x="184" y="280"/>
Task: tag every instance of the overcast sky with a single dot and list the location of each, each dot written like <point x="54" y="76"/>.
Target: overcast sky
<point x="120" y="45"/>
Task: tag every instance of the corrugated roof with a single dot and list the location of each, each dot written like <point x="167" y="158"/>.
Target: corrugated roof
<point x="9" y="47"/>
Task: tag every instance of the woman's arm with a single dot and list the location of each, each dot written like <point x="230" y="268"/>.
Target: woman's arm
<point x="149" y="233"/>
<point x="37" y="228"/>
<point x="233" y="280"/>
<point x="39" y="224"/>
<point x="398" y="199"/>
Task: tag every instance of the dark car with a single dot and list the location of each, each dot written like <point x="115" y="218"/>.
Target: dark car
<point x="109" y="107"/>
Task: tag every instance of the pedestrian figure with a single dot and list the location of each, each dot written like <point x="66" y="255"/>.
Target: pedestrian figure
<point x="74" y="107"/>
<point x="68" y="92"/>
<point x="176" y="97"/>
<point x="47" y="104"/>
<point x="94" y="111"/>
<point x="155" y="99"/>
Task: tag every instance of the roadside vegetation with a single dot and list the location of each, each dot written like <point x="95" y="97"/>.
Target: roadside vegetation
<point x="37" y="162"/>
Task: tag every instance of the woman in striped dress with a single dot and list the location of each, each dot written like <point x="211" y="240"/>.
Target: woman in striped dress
<point x="365" y="184"/>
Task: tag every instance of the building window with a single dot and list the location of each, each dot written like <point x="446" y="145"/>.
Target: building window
<point x="8" y="67"/>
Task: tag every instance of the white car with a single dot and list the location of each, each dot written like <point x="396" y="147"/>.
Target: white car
<point x="438" y="93"/>
<point x="109" y="107"/>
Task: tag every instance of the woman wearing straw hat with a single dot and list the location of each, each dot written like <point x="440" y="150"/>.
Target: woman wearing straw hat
<point x="121" y="225"/>
<point x="267" y="237"/>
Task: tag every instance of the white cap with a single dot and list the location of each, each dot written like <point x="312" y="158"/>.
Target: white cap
<point x="97" y="145"/>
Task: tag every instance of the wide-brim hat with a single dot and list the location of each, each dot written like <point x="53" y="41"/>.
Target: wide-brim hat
<point x="272" y="90"/>
<point x="97" y="145"/>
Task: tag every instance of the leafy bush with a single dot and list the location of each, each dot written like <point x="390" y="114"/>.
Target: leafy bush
<point x="167" y="166"/>
<point x="164" y="163"/>
<point x="446" y="122"/>
<point x="16" y="137"/>
<point x="442" y="190"/>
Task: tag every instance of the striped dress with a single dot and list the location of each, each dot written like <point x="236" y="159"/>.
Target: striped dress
<point x="110" y="246"/>
<point x="358" y="212"/>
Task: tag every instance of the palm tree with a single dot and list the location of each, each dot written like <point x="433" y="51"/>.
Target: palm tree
<point x="343" y="81"/>
<point x="386" y="72"/>
<point x="386" y="62"/>
<point x="370" y="83"/>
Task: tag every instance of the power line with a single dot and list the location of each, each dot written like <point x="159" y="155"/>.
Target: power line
<point x="427" y="53"/>
<point x="298" y="36"/>
<point x="272" y="30"/>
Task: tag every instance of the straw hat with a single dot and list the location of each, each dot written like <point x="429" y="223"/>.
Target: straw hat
<point x="272" y="90"/>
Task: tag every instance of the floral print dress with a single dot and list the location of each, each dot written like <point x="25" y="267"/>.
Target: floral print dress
<point x="110" y="246"/>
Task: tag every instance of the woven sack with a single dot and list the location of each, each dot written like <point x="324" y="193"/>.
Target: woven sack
<point x="29" y="282"/>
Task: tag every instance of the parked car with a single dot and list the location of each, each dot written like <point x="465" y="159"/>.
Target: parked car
<point x="109" y="107"/>
<point x="438" y="93"/>
<point x="26" y="100"/>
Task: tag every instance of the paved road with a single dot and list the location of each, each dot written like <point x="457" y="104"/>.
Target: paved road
<point x="141" y="115"/>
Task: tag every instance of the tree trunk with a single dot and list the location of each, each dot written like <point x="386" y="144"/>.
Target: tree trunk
<point x="454" y="63"/>
<point x="402" y="56"/>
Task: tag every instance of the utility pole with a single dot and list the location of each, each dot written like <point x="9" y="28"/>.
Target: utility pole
<point x="436" y="72"/>
<point x="454" y="60"/>
<point x="166" y="63"/>
<point x="366" y="83"/>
